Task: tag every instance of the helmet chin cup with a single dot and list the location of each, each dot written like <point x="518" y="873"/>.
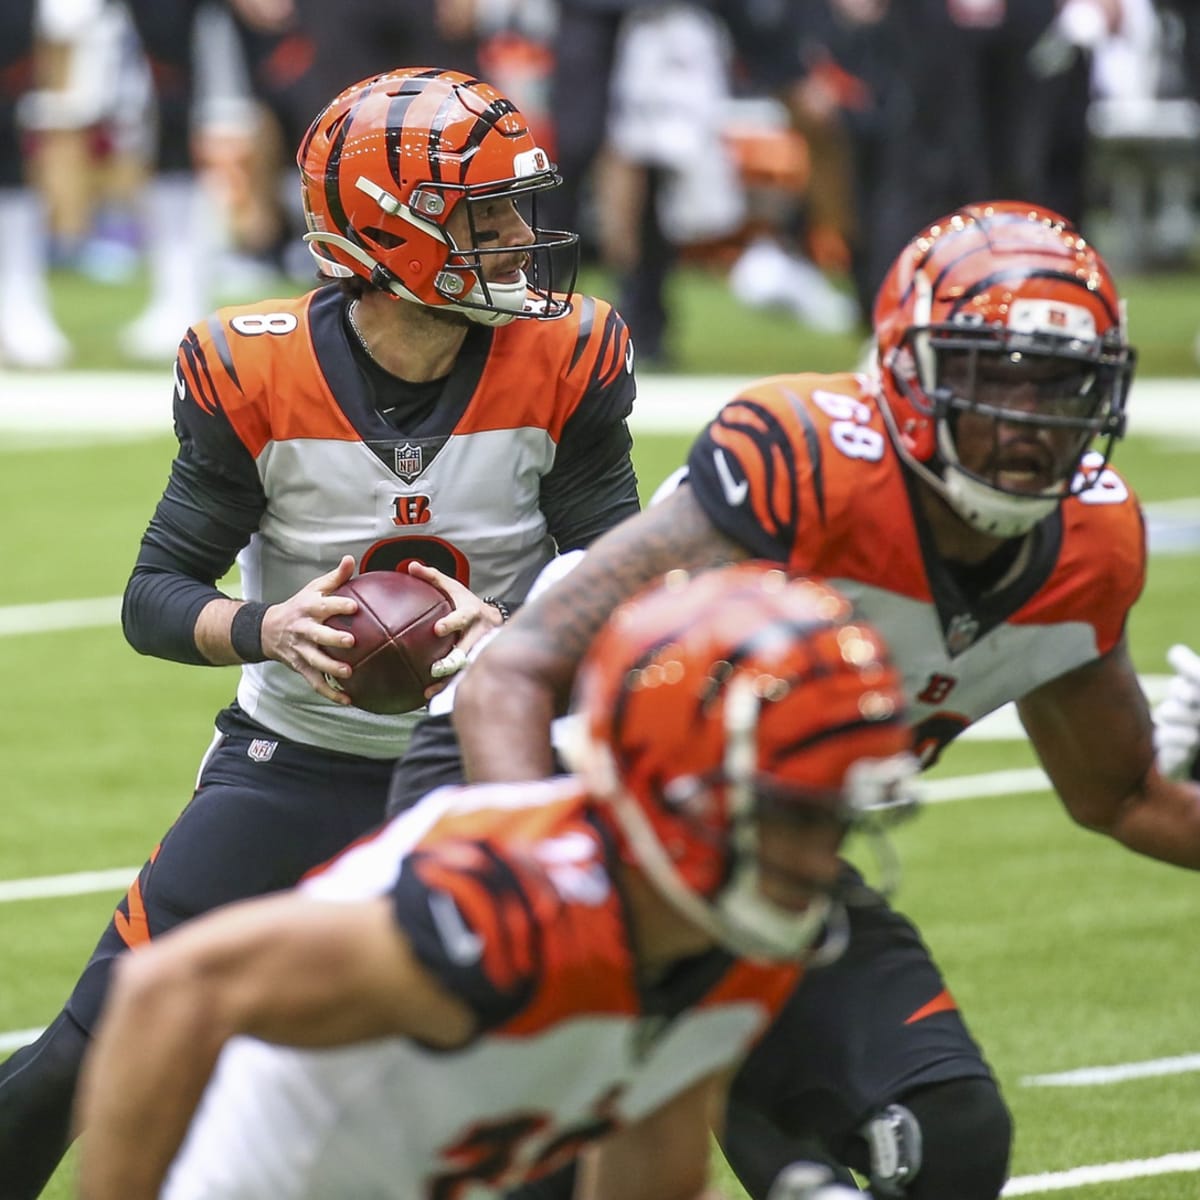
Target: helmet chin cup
<point x="498" y="305"/>
<point x="991" y="511"/>
<point x="987" y="509"/>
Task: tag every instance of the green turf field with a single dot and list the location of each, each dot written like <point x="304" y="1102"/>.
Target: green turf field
<point x="1064" y="951"/>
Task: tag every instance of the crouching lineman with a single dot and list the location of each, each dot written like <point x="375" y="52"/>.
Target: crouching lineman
<point x="507" y="976"/>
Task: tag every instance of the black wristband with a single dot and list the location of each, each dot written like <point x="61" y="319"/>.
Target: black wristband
<point x="245" y="631"/>
<point x="499" y="605"/>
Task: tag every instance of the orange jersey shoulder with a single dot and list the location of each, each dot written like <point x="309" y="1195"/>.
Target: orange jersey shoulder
<point x="784" y="469"/>
<point x="1101" y="567"/>
<point x="539" y="372"/>
<point x="258" y="364"/>
<point x="531" y="888"/>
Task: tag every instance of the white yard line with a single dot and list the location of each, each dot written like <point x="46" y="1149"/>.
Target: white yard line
<point x="80" y="883"/>
<point x="1138" y="1168"/>
<point x="938" y="791"/>
<point x="85" y="404"/>
<point x="1181" y="1064"/>
<point x="16" y="1038"/>
<point x="1017" y="782"/>
<point x="16" y="619"/>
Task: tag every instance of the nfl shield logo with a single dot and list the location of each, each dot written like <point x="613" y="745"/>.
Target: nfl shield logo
<point x="409" y="462"/>
<point x="961" y="632"/>
<point x="262" y="749"/>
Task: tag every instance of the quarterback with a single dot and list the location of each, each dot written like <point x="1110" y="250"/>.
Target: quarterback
<point x="960" y="493"/>
<point x="436" y="406"/>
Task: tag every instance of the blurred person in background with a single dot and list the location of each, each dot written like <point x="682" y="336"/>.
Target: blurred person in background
<point x="356" y="38"/>
<point x="638" y="98"/>
<point x="584" y="48"/>
<point x="177" y="216"/>
<point x="437" y="405"/>
<point x="29" y="333"/>
<point x="914" y="108"/>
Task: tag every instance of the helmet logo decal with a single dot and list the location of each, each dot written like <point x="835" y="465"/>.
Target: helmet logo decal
<point x="531" y="162"/>
<point x="1052" y="316"/>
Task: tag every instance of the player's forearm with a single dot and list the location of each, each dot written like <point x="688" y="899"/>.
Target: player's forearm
<point x="502" y="716"/>
<point x="214" y="634"/>
<point x="1162" y="820"/>
<point x="159" y="613"/>
<point x="142" y="1080"/>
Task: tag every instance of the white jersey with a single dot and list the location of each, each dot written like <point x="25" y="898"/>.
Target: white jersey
<point x="461" y="492"/>
<point x="506" y="895"/>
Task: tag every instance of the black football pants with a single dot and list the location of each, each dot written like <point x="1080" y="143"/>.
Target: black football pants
<point x="265" y="812"/>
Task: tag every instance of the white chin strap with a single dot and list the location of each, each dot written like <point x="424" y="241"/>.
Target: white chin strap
<point x="509" y="299"/>
<point x="988" y="509"/>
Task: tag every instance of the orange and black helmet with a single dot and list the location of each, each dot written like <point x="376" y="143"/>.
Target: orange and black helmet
<point x="710" y="701"/>
<point x="1013" y="284"/>
<point x="388" y="162"/>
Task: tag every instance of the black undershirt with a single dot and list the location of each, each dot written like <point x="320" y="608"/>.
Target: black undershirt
<point x="975" y="579"/>
<point x="400" y="402"/>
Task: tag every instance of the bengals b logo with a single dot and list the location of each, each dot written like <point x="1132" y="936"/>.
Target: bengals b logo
<point x="410" y="510"/>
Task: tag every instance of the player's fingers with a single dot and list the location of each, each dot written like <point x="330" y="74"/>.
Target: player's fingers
<point x="335" y="578"/>
<point x="323" y="685"/>
<point x="459" y="593"/>
<point x="430" y="574"/>
<point x="320" y="634"/>
<point x="1185" y="661"/>
<point x="1179" y="710"/>
<point x="457" y="622"/>
<point x="451" y="664"/>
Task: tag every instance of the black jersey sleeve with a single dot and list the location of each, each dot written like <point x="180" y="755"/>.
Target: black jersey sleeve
<point x="592" y="485"/>
<point x="472" y="926"/>
<point x="211" y="506"/>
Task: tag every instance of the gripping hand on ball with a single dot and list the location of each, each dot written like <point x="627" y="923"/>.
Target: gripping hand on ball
<point x="471" y="619"/>
<point x="1177" y="717"/>
<point x="294" y="631"/>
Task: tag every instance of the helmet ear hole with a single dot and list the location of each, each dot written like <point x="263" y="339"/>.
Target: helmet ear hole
<point x="383" y="237"/>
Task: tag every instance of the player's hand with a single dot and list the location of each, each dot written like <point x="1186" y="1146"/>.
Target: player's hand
<point x="294" y="631"/>
<point x="470" y="621"/>
<point x="1177" y="717"/>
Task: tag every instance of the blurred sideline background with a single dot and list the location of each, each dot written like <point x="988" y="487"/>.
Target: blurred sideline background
<point x="728" y="169"/>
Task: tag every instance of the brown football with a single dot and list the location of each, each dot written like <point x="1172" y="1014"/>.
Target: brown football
<point x="394" y="643"/>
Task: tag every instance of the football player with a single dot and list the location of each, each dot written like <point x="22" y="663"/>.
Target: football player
<point x="506" y="976"/>
<point x="439" y="402"/>
<point x="960" y="492"/>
